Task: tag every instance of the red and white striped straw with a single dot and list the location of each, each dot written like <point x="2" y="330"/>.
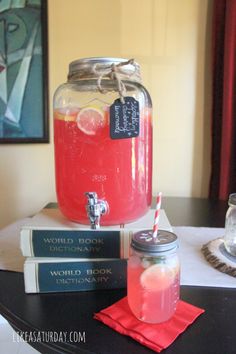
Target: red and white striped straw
<point x="157" y="216"/>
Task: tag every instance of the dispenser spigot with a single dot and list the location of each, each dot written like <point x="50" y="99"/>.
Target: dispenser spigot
<point x="95" y="209"/>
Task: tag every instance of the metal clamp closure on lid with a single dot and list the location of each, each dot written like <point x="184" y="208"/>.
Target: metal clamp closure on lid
<point x="110" y="68"/>
<point x="232" y="199"/>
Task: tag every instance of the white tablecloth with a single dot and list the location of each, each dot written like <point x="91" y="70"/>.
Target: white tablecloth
<point x="195" y="270"/>
<point x="10" y="253"/>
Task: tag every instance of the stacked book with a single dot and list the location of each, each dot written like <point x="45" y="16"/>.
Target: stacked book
<point x="63" y="256"/>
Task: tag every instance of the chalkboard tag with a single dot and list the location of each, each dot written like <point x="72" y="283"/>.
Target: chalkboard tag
<point x="124" y="119"/>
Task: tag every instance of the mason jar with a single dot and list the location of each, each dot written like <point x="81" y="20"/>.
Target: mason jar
<point x="230" y="226"/>
<point x="153" y="276"/>
<point x="103" y="142"/>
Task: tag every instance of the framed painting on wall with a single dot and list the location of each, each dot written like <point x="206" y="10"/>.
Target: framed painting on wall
<point x="23" y="72"/>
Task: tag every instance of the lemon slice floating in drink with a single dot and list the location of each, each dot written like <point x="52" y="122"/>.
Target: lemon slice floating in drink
<point x="68" y="115"/>
<point x="90" y="120"/>
<point x="157" y="277"/>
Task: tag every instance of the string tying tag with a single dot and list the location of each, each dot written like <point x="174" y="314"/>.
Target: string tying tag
<point x="114" y="72"/>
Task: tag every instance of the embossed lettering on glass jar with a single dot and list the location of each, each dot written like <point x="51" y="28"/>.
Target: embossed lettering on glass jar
<point x="97" y="151"/>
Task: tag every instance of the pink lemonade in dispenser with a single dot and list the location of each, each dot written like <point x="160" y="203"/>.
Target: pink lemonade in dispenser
<point x="88" y="158"/>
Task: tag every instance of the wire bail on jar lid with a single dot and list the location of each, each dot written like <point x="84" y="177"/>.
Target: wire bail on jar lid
<point x="112" y="68"/>
<point x="232" y="199"/>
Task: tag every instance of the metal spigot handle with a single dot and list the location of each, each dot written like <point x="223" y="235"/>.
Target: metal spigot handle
<point x="92" y="197"/>
<point x="95" y="209"/>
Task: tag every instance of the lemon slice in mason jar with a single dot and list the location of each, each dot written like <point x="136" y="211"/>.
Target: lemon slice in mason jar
<point x="157" y="277"/>
<point x="90" y="120"/>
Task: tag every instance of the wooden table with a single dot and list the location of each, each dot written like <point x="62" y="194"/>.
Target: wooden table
<point x="212" y="333"/>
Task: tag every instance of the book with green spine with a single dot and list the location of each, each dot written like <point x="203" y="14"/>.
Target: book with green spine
<point x="44" y="275"/>
<point x="50" y="235"/>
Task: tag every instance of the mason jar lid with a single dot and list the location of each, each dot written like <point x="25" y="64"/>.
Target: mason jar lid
<point x="232" y="199"/>
<point x="143" y="241"/>
<point x="88" y="66"/>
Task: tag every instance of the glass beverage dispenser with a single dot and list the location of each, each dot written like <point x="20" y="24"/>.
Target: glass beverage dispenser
<point x="103" y="142"/>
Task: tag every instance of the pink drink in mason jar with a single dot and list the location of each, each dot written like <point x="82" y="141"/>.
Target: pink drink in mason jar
<point x="153" y="276"/>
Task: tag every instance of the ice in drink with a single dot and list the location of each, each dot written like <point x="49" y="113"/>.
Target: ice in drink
<point x="153" y="292"/>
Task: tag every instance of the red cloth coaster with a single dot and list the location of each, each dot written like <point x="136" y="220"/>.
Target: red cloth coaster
<point x="154" y="336"/>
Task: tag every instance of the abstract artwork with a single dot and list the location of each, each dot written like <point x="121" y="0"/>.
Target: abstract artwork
<point x="23" y="71"/>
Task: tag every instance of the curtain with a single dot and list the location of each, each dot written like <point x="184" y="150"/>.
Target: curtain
<point x="223" y="169"/>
